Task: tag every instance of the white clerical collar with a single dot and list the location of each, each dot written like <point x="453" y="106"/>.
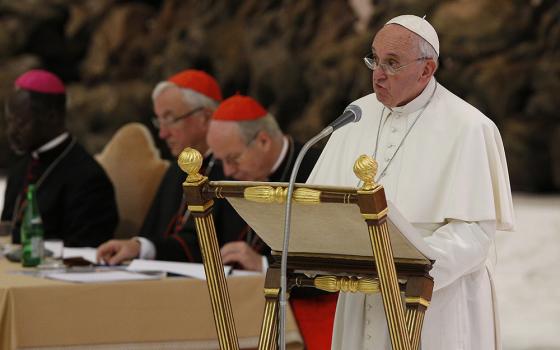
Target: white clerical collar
<point x="419" y="102"/>
<point x="282" y="154"/>
<point x="50" y="145"/>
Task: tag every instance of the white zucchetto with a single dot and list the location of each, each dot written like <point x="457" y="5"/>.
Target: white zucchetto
<point x="419" y="26"/>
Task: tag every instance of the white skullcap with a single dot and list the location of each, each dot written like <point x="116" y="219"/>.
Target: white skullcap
<point x="419" y="26"/>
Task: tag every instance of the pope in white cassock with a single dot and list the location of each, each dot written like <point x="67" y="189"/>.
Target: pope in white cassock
<point x="442" y="163"/>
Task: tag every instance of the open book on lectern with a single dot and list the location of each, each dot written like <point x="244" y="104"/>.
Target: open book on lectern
<point x="329" y="228"/>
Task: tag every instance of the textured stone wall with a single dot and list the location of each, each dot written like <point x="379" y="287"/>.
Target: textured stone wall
<point x="300" y="58"/>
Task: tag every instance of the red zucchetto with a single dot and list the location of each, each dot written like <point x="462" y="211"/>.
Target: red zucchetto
<point x="198" y="81"/>
<point x="239" y="108"/>
<point x="38" y="80"/>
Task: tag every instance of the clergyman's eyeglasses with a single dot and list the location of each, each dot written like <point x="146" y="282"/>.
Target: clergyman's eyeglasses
<point x="170" y="120"/>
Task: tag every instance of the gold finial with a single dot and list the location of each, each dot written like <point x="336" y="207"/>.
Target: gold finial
<point x="190" y="161"/>
<point x="365" y="169"/>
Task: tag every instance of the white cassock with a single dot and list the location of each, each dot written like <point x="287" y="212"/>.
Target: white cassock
<point x="449" y="178"/>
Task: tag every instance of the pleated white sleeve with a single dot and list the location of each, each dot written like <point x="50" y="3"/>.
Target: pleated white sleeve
<point x="461" y="248"/>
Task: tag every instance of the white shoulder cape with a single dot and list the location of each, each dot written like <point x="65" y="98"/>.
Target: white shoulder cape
<point x="454" y="166"/>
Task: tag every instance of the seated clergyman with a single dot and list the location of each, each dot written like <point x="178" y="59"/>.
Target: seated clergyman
<point x="75" y="197"/>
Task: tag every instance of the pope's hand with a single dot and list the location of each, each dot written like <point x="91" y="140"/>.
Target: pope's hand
<point x="242" y="254"/>
<point x="116" y="251"/>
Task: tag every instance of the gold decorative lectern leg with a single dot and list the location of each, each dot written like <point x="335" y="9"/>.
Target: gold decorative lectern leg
<point x="390" y="291"/>
<point x="414" y="322"/>
<point x="190" y="160"/>
<point x="216" y="280"/>
<point x="269" y="329"/>
<point x="418" y="295"/>
<point x="374" y="211"/>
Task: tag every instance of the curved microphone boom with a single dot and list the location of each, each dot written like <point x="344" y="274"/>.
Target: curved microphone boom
<point x="351" y="114"/>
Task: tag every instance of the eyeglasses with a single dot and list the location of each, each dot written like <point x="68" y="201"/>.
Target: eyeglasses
<point x="170" y="120"/>
<point x="390" y="68"/>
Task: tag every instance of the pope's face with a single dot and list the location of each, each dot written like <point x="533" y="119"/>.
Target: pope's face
<point x="396" y="46"/>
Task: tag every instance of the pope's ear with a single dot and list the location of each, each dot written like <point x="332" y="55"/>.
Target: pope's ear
<point x="429" y="69"/>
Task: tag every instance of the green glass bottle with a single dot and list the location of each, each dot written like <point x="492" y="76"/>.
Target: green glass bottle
<point x="32" y="232"/>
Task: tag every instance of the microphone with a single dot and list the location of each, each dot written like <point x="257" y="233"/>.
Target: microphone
<point x="351" y="114"/>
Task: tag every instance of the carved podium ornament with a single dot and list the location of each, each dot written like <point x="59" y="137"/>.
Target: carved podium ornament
<point x="190" y="161"/>
<point x="365" y="169"/>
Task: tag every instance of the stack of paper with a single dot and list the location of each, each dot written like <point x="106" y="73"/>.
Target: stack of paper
<point x="102" y="276"/>
<point x="184" y="269"/>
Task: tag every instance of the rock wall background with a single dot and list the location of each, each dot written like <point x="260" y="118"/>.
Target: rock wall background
<point x="300" y="58"/>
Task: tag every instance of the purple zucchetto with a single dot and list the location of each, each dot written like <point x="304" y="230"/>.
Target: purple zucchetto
<point x="42" y="81"/>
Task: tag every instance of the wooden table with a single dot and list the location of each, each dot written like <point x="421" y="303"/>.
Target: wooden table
<point x="172" y="313"/>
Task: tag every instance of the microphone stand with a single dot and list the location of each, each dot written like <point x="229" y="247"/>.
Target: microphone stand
<point x="287" y="226"/>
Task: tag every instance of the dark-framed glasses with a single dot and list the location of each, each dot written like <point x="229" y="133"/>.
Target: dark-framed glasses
<point x="171" y="120"/>
<point x="390" y="68"/>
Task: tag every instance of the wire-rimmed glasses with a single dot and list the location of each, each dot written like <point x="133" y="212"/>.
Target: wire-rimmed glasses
<point x="390" y="68"/>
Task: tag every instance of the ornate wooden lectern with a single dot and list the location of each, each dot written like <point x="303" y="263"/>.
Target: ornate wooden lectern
<point x="331" y="265"/>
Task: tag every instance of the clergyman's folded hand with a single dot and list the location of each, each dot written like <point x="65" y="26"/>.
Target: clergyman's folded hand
<point x="116" y="251"/>
<point x="240" y="253"/>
